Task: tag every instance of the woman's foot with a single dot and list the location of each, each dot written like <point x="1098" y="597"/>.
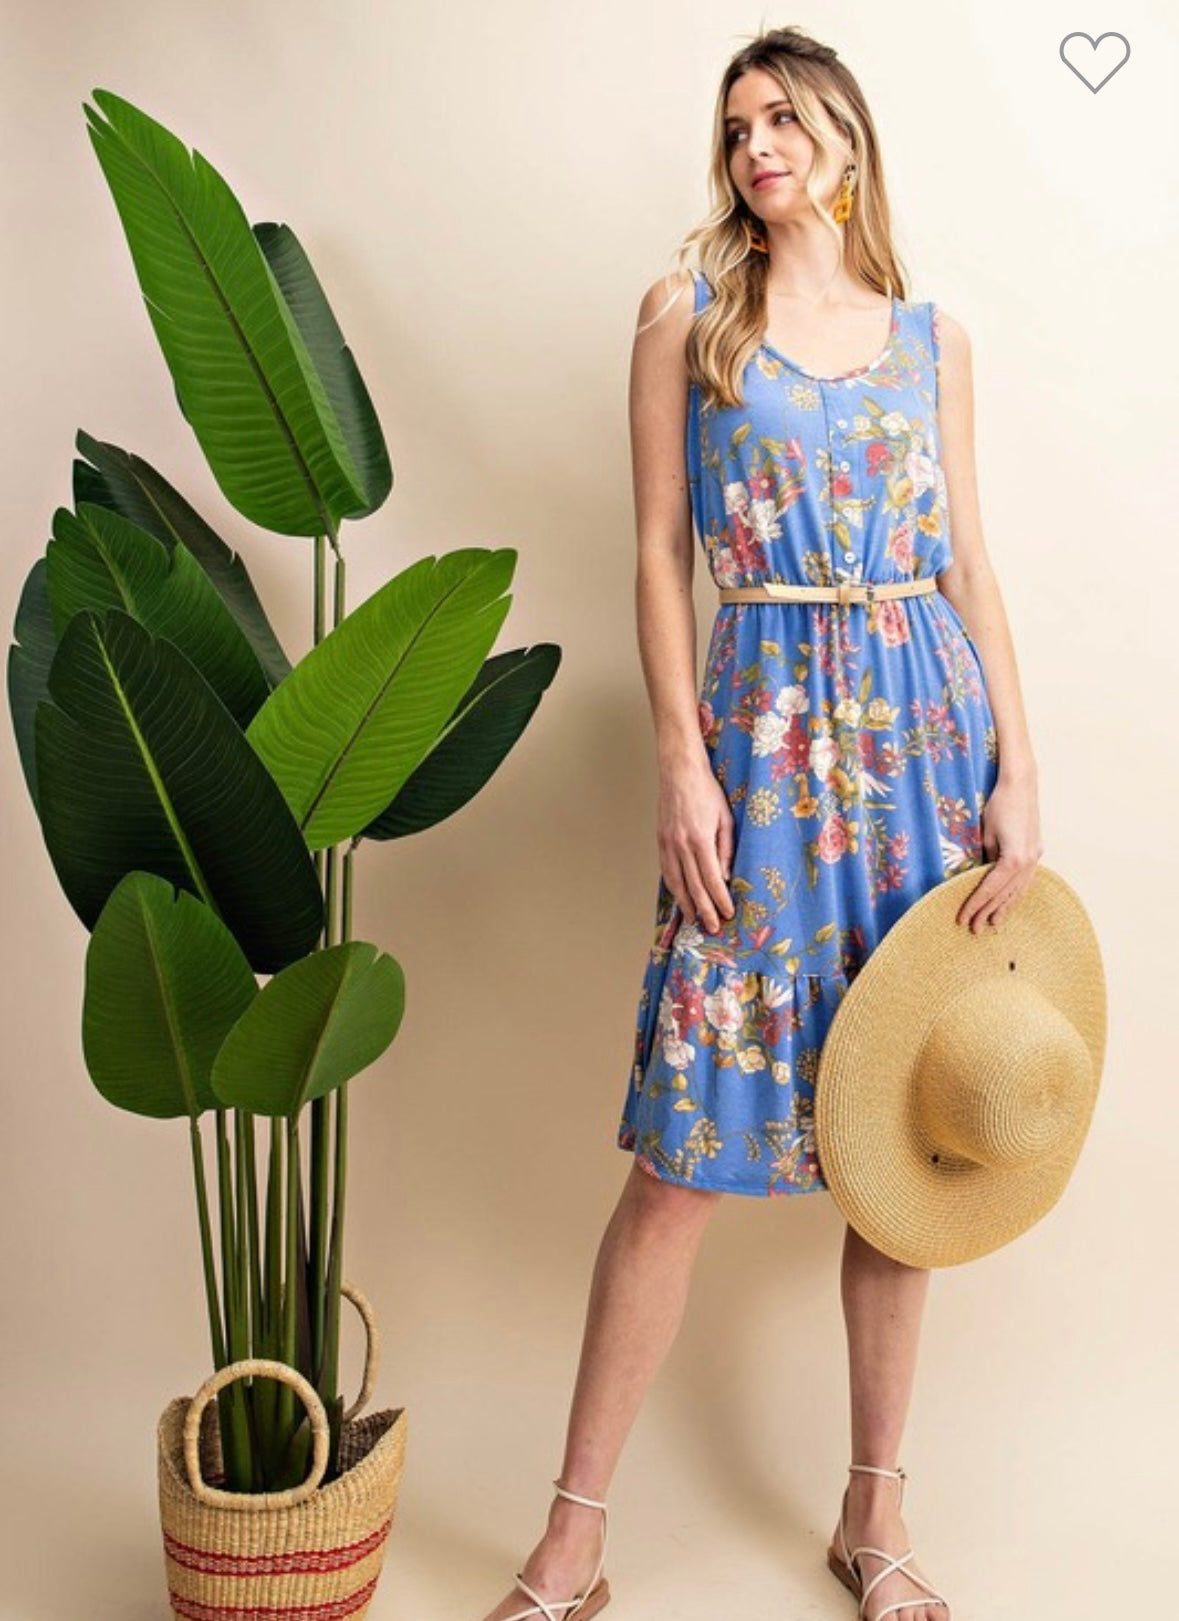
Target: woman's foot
<point x="873" y="1516"/>
<point x="562" y="1563"/>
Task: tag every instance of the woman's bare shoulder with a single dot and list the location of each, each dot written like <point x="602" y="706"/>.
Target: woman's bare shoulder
<point x="667" y="307"/>
<point x="953" y="340"/>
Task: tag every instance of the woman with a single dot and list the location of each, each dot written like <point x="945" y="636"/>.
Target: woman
<point x="842" y="757"/>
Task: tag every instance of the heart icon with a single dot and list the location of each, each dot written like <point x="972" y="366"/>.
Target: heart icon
<point x="1091" y="56"/>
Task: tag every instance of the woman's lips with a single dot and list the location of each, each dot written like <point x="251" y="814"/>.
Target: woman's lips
<point x="767" y="180"/>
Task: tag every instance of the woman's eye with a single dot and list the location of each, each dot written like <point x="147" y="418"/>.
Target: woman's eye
<point x="731" y="139"/>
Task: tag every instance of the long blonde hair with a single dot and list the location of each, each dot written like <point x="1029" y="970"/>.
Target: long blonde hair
<point x="728" y="331"/>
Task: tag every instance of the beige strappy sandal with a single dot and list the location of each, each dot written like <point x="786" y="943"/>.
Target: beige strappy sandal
<point x="844" y="1564"/>
<point x="596" y="1595"/>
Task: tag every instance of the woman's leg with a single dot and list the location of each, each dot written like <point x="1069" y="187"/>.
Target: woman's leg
<point x="883" y="1302"/>
<point x="636" y="1302"/>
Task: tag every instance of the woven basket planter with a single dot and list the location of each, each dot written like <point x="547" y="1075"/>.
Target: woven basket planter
<point x="309" y="1553"/>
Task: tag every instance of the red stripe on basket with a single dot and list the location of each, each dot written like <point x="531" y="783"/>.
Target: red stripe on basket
<point x="333" y="1610"/>
<point x="292" y="1561"/>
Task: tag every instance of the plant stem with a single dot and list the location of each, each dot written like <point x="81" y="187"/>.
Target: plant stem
<point x="286" y="1396"/>
<point x="248" y="1271"/>
<point x="320" y="1118"/>
<point x="257" y="1311"/>
<point x="316" y="1290"/>
<point x="330" y="1375"/>
<point x="330" y="888"/>
<point x="320" y="1163"/>
<point x="270" y="1335"/>
<point x="346" y="919"/>
<point x="235" y="1434"/>
<point x="341" y="916"/>
<point x="241" y="1241"/>
<point x="210" y="1267"/>
<point x="331" y="1370"/>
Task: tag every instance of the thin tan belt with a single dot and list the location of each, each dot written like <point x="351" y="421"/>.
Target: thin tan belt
<point x="846" y="591"/>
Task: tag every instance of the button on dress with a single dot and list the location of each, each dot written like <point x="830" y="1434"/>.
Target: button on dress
<point x="855" y="744"/>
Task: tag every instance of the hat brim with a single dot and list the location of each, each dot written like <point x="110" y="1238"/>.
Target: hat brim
<point x="880" y="1175"/>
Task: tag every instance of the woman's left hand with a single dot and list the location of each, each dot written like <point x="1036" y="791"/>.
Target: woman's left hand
<point x="1011" y="839"/>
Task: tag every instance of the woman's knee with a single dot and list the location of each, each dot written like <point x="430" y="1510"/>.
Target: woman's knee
<point x="657" y="1196"/>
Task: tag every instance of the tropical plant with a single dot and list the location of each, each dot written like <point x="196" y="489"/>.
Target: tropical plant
<point x="202" y="800"/>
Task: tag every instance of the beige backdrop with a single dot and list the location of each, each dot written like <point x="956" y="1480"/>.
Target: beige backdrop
<point x="485" y="192"/>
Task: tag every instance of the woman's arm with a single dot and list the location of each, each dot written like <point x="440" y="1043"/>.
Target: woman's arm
<point x="970" y="581"/>
<point x="1011" y="815"/>
<point x="695" y="821"/>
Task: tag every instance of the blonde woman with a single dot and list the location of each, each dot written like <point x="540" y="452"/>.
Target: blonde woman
<point x="852" y="745"/>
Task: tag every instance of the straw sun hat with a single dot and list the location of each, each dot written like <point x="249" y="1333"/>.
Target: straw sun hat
<point x="959" y="1074"/>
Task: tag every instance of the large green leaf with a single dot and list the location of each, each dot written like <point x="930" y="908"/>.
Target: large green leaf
<point x="141" y="767"/>
<point x="331" y="356"/>
<point x="29" y="659"/>
<point x="362" y="710"/>
<point x="165" y="983"/>
<point x="245" y="378"/>
<point x="490" y="717"/>
<point x="127" y="484"/>
<point x="99" y="560"/>
<point x="312" y="1027"/>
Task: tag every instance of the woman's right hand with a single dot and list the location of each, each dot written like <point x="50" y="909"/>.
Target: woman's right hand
<point x="695" y="837"/>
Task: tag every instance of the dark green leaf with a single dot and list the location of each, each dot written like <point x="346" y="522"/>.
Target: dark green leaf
<point x="331" y="356"/>
<point x="29" y="659"/>
<point x="127" y="484"/>
<point x="242" y="370"/>
<point x="100" y="560"/>
<point x="141" y="767"/>
<point x="165" y="982"/>
<point x="312" y="1027"/>
<point x="481" y="733"/>
<point x="362" y="710"/>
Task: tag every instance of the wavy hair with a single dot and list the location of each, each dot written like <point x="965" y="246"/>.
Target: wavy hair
<point x="727" y="332"/>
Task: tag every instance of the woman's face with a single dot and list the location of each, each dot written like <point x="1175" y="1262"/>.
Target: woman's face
<point x="763" y="137"/>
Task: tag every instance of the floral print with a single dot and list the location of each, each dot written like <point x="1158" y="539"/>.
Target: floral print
<point x="855" y="744"/>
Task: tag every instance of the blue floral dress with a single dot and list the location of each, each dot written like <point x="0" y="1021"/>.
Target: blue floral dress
<point x="855" y="744"/>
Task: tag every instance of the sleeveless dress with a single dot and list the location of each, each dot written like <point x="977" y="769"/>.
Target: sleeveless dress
<point x="855" y="744"/>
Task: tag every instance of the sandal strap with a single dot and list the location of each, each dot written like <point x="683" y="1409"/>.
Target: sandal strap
<point x="872" y="1469"/>
<point x="898" y="1474"/>
<point x="574" y="1497"/>
<point x="549" y="1607"/>
<point x="908" y="1604"/>
<point x="542" y="1606"/>
<point x="893" y="1562"/>
<point x="590" y="1502"/>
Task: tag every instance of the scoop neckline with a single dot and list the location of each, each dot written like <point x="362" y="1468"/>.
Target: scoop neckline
<point x="855" y="371"/>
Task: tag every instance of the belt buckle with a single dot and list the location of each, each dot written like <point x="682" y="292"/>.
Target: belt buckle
<point x="843" y="593"/>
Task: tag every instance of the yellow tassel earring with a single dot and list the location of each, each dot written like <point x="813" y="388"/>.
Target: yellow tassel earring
<point x="755" y="242"/>
<point x="843" y="203"/>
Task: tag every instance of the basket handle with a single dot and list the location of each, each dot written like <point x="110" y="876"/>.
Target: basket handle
<point x="372" y="1345"/>
<point x="269" y="1369"/>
